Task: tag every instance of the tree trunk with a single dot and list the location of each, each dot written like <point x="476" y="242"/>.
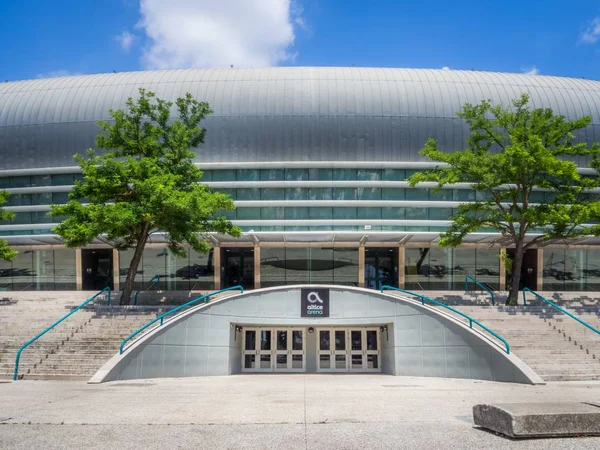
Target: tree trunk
<point x="513" y="295"/>
<point x="133" y="266"/>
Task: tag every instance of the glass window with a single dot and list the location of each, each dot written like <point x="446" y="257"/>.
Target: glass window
<point x="231" y="192"/>
<point x="41" y="199"/>
<point x="16" y="182"/>
<point x="344" y="174"/>
<point x="320" y="174"/>
<point x="22" y="271"/>
<point x="272" y="266"/>
<point x="320" y="194"/>
<point x="43" y="270"/>
<point x="368" y="174"/>
<point x="224" y="175"/>
<point x="344" y="213"/>
<point x="464" y="195"/>
<point x="41" y="180"/>
<point x="487" y="266"/>
<point x="60" y="198"/>
<point x="417" y="268"/>
<point x="393" y="194"/>
<point x="64" y="269"/>
<point x="248" y="213"/>
<point x="368" y="193"/>
<point x="381" y="267"/>
<point x="393" y="174"/>
<point x="298" y="213"/>
<point x="321" y="265"/>
<point x="272" y="194"/>
<point x="417" y="194"/>
<point x="441" y="195"/>
<point x="4" y="182"/>
<point x="22" y="218"/>
<point x="64" y="179"/>
<point x="248" y="175"/>
<point x="325" y="213"/>
<point x="393" y="212"/>
<point x="369" y="213"/>
<point x="440" y="213"/>
<point x="19" y="199"/>
<point x="296" y="174"/>
<point x="296" y="194"/>
<point x="206" y="176"/>
<point x="248" y="194"/>
<point x="125" y="258"/>
<point x="592" y="269"/>
<point x="416" y="213"/>
<point x="272" y="174"/>
<point x="297" y="262"/>
<point x="345" y="270"/>
<point x="344" y="193"/>
<point x="440" y="268"/>
<point x="272" y="213"/>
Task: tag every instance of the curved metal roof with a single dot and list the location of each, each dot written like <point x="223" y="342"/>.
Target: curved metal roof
<point x="280" y="114"/>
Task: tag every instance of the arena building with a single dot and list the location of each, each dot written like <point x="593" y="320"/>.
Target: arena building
<point x="316" y="160"/>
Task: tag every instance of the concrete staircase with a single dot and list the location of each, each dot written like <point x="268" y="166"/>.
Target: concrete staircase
<point x="77" y="347"/>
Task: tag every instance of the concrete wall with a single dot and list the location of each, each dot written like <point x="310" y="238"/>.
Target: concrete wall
<point x="422" y="341"/>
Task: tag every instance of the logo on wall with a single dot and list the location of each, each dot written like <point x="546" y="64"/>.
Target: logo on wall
<point x="315" y="302"/>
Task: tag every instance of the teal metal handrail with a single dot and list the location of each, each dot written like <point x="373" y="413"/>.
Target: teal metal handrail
<point x="62" y="319"/>
<point x="562" y="310"/>
<point x="456" y="311"/>
<point x="155" y="277"/>
<point x="160" y="318"/>
<point x="482" y="286"/>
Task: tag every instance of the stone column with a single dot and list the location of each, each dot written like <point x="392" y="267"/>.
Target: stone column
<point x="539" y="282"/>
<point x="78" y="270"/>
<point x="116" y="273"/>
<point x="217" y="267"/>
<point x="361" y="266"/>
<point x="502" y="275"/>
<point x="256" y="267"/>
<point x="401" y="267"/>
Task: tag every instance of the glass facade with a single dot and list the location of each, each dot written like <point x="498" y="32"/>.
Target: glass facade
<point x="571" y="270"/>
<point x="381" y="267"/>
<point x="438" y="268"/>
<point x="292" y="265"/>
<point x="39" y="270"/>
<point x="195" y="272"/>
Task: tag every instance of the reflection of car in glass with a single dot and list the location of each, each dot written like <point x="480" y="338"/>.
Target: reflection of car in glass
<point x="193" y="271"/>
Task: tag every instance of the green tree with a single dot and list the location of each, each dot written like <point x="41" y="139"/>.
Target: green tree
<point x="6" y="253"/>
<point x="511" y="152"/>
<point x="145" y="183"/>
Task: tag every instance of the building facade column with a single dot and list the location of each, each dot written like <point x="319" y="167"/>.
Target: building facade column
<point x="116" y="270"/>
<point x="401" y="267"/>
<point x="361" y="266"/>
<point x="217" y="267"/>
<point x="78" y="270"/>
<point x="502" y="271"/>
<point x="256" y="267"/>
<point x="539" y="282"/>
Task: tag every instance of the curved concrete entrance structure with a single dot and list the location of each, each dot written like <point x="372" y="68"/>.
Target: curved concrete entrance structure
<point x="316" y="328"/>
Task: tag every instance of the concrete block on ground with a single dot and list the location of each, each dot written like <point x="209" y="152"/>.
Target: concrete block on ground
<point x="529" y="420"/>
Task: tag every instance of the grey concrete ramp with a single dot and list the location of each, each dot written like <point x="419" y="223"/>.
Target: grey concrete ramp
<point x="535" y="420"/>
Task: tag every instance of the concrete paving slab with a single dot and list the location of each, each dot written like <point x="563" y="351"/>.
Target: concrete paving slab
<point x="269" y="412"/>
<point x="525" y="420"/>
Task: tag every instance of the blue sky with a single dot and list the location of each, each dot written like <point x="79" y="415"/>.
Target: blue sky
<point x="45" y="38"/>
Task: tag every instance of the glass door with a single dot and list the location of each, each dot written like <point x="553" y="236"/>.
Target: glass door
<point x="257" y="355"/>
<point x="357" y="350"/>
<point x="324" y="350"/>
<point x="332" y="350"/>
<point x="364" y="350"/>
<point x="340" y="354"/>
<point x="289" y="350"/>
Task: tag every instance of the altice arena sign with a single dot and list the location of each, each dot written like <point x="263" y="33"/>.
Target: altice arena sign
<point x="315" y="302"/>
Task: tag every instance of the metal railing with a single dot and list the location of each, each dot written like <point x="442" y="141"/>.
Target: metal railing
<point x="151" y="283"/>
<point x="456" y="311"/>
<point x="562" y="310"/>
<point x="482" y="286"/>
<point x="62" y="319"/>
<point x="161" y="318"/>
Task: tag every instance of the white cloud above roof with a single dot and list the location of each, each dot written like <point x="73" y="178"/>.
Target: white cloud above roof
<point x="591" y="34"/>
<point x="209" y="33"/>
<point x="125" y="40"/>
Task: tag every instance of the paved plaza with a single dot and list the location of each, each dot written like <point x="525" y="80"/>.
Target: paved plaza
<point x="269" y="412"/>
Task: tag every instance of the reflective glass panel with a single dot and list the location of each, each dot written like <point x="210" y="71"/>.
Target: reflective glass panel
<point x="250" y="361"/>
<point x="340" y="361"/>
<point x="340" y="340"/>
<point x="297" y="361"/>
<point x="357" y="361"/>
<point x="265" y="340"/>
<point x="324" y="340"/>
<point x="297" y="340"/>
<point x="371" y="339"/>
<point x="372" y="362"/>
<point x="282" y="337"/>
<point x="325" y="361"/>
<point x="250" y="340"/>
<point x="282" y="361"/>
<point x="356" y="339"/>
<point x="265" y="361"/>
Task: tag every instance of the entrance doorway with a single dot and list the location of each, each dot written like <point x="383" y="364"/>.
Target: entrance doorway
<point x="237" y="267"/>
<point x="277" y="349"/>
<point x="97" y="265"/>
<point x="348" y="350"/>
<point x="529" y="269"/>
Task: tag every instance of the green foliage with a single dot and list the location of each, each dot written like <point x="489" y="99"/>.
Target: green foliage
<point x="6" y="253"/>
<point x="146" y="182"/>
<point x="511" y="151"/>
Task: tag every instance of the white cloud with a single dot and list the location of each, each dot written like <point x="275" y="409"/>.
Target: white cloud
<point x="57" y="73"/>
<point x="209" y="33"/>
<point x="531" y="71"/>
<point x="125" y="39"/>
<point x="446" y="68"/>
<point x="591" y="35"/>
